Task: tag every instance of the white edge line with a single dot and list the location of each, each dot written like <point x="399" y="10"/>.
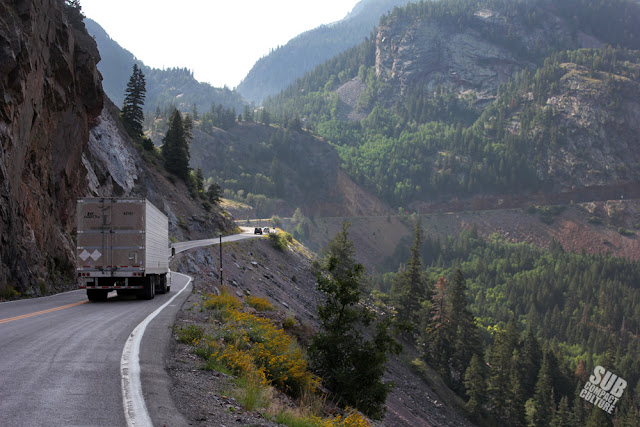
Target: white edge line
<point x="135" y="410"/>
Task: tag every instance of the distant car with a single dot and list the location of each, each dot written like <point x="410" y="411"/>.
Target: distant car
<point x="257" y="230"/>
<point x="266" y="230"/>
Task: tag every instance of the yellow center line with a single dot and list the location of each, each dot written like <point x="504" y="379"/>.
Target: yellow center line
<point x="37" y="313"/>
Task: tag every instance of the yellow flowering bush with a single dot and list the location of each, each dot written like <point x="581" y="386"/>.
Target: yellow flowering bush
<point x="252" y="346"/>
<point x="352" y="418"/>
<point x="224" y="301"/>
<point x="260" y="304"/>
<point x="260" y="354"/>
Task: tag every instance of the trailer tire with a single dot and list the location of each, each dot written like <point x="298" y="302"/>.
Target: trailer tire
<point x="163" y="289"/>
<point x="149" y="289"/>
<point x="97" y="295"/>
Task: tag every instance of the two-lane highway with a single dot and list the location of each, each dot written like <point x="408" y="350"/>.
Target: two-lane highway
<point x="60" y="356"/>
<point x="65" y="361"/>
<point x="247" y="233"/>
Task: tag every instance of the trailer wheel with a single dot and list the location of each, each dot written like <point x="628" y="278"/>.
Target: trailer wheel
<point x="97" y="295"/>
<point x="163" y="289"/>
<point x="149" y="290"/>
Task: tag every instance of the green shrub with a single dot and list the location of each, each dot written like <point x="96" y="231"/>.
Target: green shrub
<point x="278" y="241"/>
<point x="626" y="232"/>
<point x="190" y="334"/>
<point x="8" y="292"/>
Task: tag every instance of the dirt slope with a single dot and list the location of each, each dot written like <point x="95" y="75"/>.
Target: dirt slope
<point x="255" y="268"/>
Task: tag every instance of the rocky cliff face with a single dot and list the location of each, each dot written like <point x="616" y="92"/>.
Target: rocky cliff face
<point x="474" y="57"/>
<point x="50" y="95"/>
<point x="599" y="114"/>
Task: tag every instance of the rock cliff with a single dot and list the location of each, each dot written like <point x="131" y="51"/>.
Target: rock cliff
<point x="474" y="56"/>
<point x="61" y="139"/>
<point x="50" y="95"/>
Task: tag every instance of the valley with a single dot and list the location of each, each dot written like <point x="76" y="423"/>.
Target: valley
<point x="455" y="191"/>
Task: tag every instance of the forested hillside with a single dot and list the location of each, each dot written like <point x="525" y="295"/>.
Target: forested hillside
<point x="165" y="88"/>
<point x="431" y="130"/>
<point x="275" y="169"/>
<point x="460" y="99"/>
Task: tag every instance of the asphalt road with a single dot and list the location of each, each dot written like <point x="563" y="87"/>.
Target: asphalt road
<point x="247" y="233"/>
<point x="63" y="359"/>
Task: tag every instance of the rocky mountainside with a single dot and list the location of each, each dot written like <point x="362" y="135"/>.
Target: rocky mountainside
<point x="51" y="96"/>
<point x="61" y="139"/>
<point x="175" y="86"/>
<point x="474" y="56"/>
<point x="277" y="70"/>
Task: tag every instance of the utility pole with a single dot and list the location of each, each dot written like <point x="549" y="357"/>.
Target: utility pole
<point x="221" y="260"/>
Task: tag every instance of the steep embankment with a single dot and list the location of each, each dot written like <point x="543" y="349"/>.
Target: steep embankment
<point x="255" y="268"/>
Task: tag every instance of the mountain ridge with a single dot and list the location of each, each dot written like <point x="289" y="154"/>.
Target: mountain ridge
<point x="275" y="71"/>
<point x="168" y="87"/>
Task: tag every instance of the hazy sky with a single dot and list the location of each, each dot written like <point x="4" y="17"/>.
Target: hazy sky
<point x="219" y="40"/>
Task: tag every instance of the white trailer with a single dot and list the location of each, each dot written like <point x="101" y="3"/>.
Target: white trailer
<point x="122" y="245"/>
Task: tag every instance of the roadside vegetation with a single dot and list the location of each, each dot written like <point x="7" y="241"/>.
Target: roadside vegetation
<point x="242" y="341"/>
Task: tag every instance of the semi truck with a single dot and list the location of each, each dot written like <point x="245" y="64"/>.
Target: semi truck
<point x="122" y="245"/>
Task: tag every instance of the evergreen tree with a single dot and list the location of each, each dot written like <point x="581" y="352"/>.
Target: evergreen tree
<point x="579" y="412"/>
<point x="514" y="409"/>
<point x="598" y="418"/>
<point x="199" y="179"/>
<point x="73" y="10"/>
<point x="175" y="147"/>
<point x="500" y="360"/>
<point x="543" y="397"/>
<point x="350" y="365"/>
<point x="410" y="285"/>
<point x="214" y="193"/>
<point x="562" y="417"/>
<point x="475" y="386"/>
<point x="467" y="340"/>
<point x="132" y="114"/>
<point x="248" y="113"/>
<point x="436" y="337"/>
<point x="531" y="361"/>
<point x="187" y="124"/>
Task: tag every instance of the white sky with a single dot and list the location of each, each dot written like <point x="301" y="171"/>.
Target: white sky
<point x="218" y="40"/>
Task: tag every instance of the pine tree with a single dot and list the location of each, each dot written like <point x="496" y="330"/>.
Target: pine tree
<point x="132" y="114"/>
<point x="410" y="285"/>
<point x="514" y="409"/>
<point x="175" y="147"/>
<point x="350" y="365"/>
<point x="199" y="179"/>
<point x="579" y="413"/>
<point x="562" y="417"/>
<point x="214" y="193"/>
<point x="505" y="343"/>
<point x="467" y="340"/>
<point x="531" y="361"/>
<point x="73" y="11"/>
<point x="475" y="386"/>
<point x="436" y="338"/>
<point x="543" y="397"/>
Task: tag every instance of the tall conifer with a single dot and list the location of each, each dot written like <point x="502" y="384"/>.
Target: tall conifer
<point x="132" y="114"/>
<point x="175" y="147"/>
<point x="410" y="285"/>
